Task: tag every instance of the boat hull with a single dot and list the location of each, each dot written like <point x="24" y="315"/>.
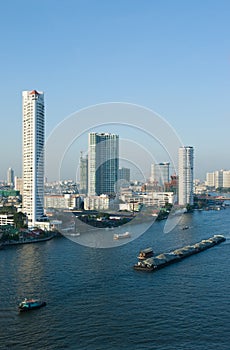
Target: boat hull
<point x="29" y="307"/>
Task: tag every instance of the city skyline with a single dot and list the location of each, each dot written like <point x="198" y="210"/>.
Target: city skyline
<point x="154" y="54"/>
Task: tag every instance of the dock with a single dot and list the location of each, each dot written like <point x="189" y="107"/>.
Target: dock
<point x="164" y="259"/>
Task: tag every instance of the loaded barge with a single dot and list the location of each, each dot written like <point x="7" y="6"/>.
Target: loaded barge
<point x="157" y="262"/>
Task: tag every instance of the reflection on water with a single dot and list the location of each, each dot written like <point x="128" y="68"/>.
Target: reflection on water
<point x="29" y="270"/>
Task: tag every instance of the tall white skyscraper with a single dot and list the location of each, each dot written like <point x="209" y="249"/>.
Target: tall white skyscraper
<point x="185" y="173"/>
<point x="33" y="138"/>
<point x="103" y="163"/>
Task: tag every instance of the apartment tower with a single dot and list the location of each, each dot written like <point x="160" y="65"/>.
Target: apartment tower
<point x="83" y="174"/>
<point x="33" y="155"/>
<point x="185" y="172"/>
<point x="124" y="174"/>
<point x="160" y="173"/>
<point x="10" y="177"/>
<point x="103" y="163"/>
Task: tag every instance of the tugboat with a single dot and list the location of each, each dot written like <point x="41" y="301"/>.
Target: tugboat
<point x="30" y="304"/>
<point x="145" y="253"/>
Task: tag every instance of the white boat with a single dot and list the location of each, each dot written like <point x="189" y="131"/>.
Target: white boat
<point x="122" y="235"/>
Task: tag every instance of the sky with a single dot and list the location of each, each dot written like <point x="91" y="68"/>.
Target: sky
<point x="172" y="57"/>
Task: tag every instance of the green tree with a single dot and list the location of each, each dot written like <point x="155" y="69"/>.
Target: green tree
<point x="20" y="220"/>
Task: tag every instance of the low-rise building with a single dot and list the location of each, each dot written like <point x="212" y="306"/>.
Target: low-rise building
<point x="62" y="201"/>
<point x="97" y="202"/>
<point x="6" y="219"/>
<point x="149" y="199"/>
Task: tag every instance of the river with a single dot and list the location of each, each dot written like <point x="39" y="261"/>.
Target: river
<point x="95" y="300"/>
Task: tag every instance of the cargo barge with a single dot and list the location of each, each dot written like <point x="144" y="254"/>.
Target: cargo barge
<point x="157" y="262"/>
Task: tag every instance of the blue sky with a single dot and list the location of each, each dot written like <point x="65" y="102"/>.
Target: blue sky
<point x="170" y="56"/>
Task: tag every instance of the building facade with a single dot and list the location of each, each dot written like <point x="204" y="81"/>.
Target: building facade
<point x="210" y="179"/>
<point x="218" y="179"/>
<point x="83" y="174"/>
<point x="103" y="163"/>
<point x="10" y="177"/>
<point x="226" y="179"/>
<point x="18" y="184"/>
<point x="97" y="202"/>
<point x="33" y="137"/>
<point x="62" y="201"/>
<point x="124" y="174"/>
<point x="185" y="173"/>
<point x="160" y="173"/>
<point x="6" y="219"/>
<point x="150" y="199"/>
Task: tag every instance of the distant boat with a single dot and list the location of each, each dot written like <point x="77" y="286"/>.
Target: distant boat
<point x="185" y="227"/>
<point x="30" y="304"/>
<point x="122" y="235"/>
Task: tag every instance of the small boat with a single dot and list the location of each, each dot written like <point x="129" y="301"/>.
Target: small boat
<point x="185" y="227"/>
<point x="121" y="235"/>
<point x="30" y="304"/>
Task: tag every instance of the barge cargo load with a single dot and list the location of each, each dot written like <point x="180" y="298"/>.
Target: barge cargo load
<point x="157" y="262"/>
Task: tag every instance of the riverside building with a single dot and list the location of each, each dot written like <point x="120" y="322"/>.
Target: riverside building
<point x="185" y="172"/>
<point x="218" y="179"/>
<point x="33" y="155"/>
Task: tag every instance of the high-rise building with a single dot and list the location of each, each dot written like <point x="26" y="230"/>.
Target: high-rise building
<point x="218" y="179"/>
<point x="103" y="163"/>
<point x="33" y="155"/>
<point x="124" y="174"/>
<point x="185" y="173"/>
<point x="226" y="178"/>
<point x="83" y="174"/>
<point x="210" y="179"/>
<point x="218" y="176"/>
<point x="10" y="177"/>
<point x="18" y="184"/>
<point x="160" y="173"/>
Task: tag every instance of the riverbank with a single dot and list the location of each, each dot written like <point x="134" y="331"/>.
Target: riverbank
<point x="27" y="241"/>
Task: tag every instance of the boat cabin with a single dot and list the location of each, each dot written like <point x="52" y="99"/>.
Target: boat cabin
<point x="145" y="253"/>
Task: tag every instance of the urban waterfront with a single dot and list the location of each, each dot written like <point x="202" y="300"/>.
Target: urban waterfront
<point x="95" y="300"/>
